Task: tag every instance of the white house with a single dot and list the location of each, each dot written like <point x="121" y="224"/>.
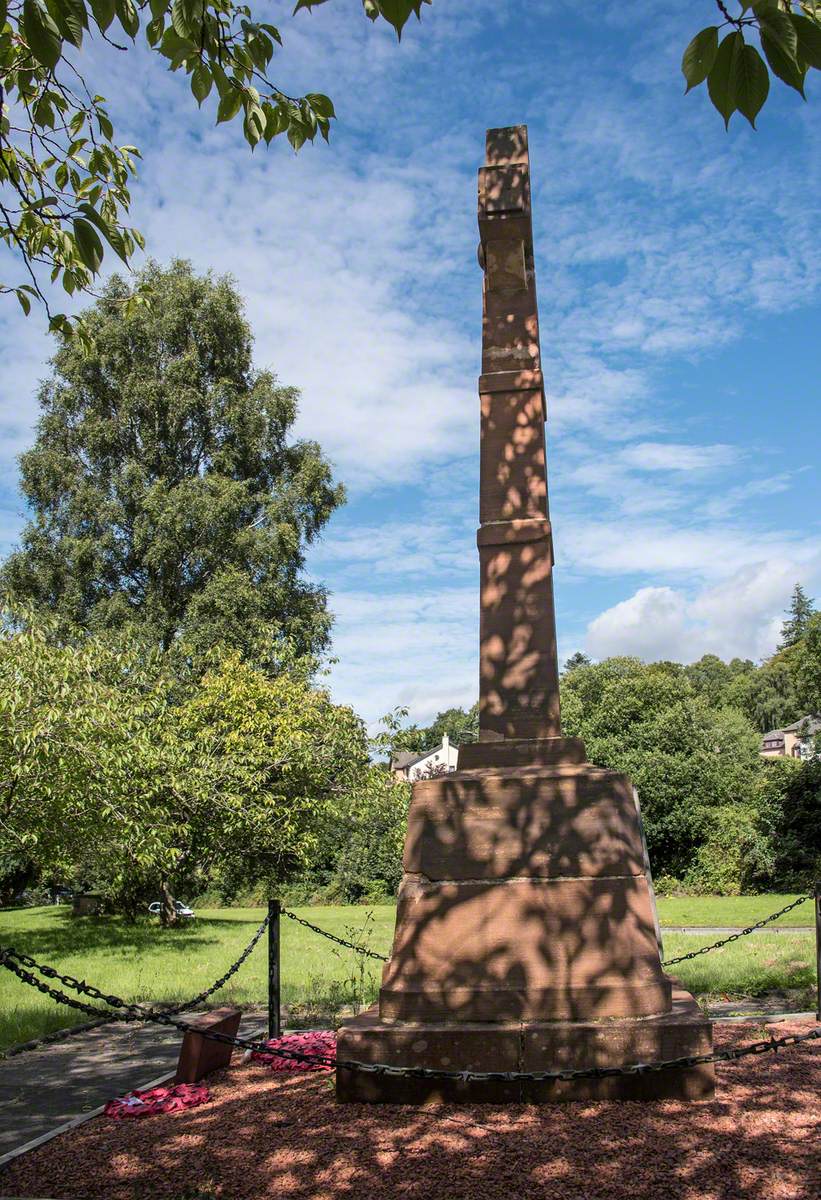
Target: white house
<point x="406" y="764"/>
<point x="793" y="741"/>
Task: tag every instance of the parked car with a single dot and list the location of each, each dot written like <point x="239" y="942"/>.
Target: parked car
<point x="183" y="910"/>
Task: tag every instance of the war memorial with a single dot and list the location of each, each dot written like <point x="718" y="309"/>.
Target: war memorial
<point x="526" y="936"/>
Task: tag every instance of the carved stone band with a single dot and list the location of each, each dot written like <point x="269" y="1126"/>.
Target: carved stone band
<point x="526" y="380"/>
<point x="502" y="533"/>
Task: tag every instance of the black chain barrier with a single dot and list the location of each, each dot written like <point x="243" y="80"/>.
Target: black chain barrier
<point x="333" y="938"/>
<point x="223" y="979"/>
<point x="131" y="1012"/>
<point x="140" y="1011"/>
<point x="668" y="962"/>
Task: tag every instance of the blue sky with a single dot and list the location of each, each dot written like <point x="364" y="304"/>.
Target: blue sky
<point x="679" y="272"/>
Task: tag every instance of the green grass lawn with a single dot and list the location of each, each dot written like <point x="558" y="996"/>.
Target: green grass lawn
<point x="739" y="911"/>
<point x="148" y="963"/>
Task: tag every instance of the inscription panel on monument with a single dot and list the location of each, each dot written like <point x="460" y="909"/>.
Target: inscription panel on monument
<point x="505" y="265"/>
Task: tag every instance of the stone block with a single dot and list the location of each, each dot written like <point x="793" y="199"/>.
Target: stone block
<point x="523" y="949"/>
<point x="528" y="1046"/>
<point x="552" y="821"/>
<point x="463" y="1048"/>
<point x="200" y="1056"/>
<point x="521" y="752"/>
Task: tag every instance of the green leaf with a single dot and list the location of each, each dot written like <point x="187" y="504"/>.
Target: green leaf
<point x="722" y="76"/>
<point x="201" y="83"/>
<point x="129" y="17"/>
<point x="782" y="64"/>
<point x="181" y="18"/>
<point x="229" y="105"/>
<point x="752" y="83"/>
<point x="70" y="18"/>
<point x="158" y="8"/>
<point x="111" y="233"/>
<point x="297" y="133"/>
<point x="25" y="303"/>
<point x="321" y="105"/>
<point x="699" y="56"/>
<point x="103" y="11"/>
<point x="43" y="113"/>
<point x="89" y="246"/>
<point x="276" y="120"/>
<point x="175" y="48"/>
<point x="780" y="29"/>
<point x="808" y="33"/>
<point x="42" y="34"/>
<point x="154" y="30"/>
<point x="397" y="12"/>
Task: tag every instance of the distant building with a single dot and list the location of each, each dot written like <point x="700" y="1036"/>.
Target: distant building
<point x="793" y="741"/>
<point x="407" y="764"/>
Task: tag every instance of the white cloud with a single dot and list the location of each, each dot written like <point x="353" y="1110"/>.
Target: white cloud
<point x="673" y="456"/>
<point x="358" y="264"/>
<point x="647" y="625"/>
<point x="740" y="616"/>
<point x="416" y="649"/>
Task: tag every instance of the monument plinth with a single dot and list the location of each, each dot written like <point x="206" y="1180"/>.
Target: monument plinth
<point x="525" y="928"/>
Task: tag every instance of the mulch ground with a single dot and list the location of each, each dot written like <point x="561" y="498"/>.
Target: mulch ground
<point x="282" y="1135"/>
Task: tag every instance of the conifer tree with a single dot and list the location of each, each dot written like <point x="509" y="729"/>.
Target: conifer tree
<point x="798" y="618"/>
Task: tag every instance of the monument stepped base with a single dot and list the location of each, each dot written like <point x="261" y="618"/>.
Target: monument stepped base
<point x="527" y="1046"/>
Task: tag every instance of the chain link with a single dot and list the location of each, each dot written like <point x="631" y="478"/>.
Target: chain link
<point x="127" y="1012"/>
<point x="333" y="938"/>
<point x="668" y="962"/>
<point x="223" y="979"/>
<point x="141" y="1012"/>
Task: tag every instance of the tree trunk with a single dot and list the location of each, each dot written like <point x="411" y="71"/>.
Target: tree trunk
<point x="168" y="912"/>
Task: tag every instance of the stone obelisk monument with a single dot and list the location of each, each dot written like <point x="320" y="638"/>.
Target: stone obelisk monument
<point x="525" y="937"/>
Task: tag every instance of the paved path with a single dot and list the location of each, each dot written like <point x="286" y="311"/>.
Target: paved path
<point x="728" y="929"/>
<point x="41" y="1090"/>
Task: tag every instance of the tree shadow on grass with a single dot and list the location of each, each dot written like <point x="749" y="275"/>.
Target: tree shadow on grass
<point x="69" y="935"/>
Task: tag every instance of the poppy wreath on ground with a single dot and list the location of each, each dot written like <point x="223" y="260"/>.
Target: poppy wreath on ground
<point x="320" y="1041"/>
<point x="158" y="1100"/>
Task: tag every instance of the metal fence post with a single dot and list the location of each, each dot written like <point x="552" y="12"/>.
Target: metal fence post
<point x="274" y="1023"/>
<point x="818" y="949"/>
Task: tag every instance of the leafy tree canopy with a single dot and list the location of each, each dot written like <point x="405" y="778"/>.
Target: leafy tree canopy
<point x="713" y="678"/>
<point x="115" y="770"/>
<point x="806" y="665"/>
<point x="84" y="762"/>
<point x="686" y="757"/>
<point x="167" y="494"/>
<point x="461" y="726"/>
<point x="65" y="178"/>
<point x="273" y="763"/>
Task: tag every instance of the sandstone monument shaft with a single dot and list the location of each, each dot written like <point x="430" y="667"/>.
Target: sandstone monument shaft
<point x="525" y="936"/>
<point x="518" y="672"/>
